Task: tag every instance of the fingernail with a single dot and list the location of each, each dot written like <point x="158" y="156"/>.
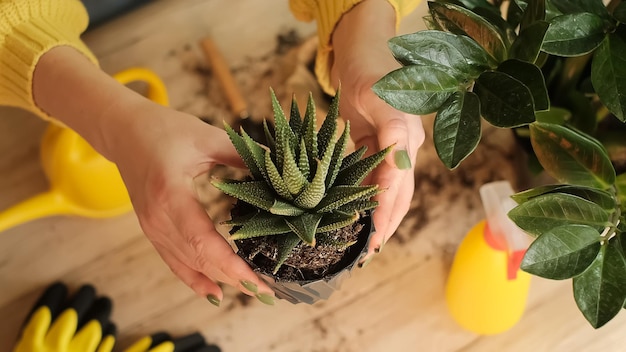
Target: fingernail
<point x="265" y="298"/>
<point x="380" y="248"/>
<point x="366" y="262"/>
<point x="250" y="286"/>
<point x="401" y="157"/>
<point x="213" y="299"/>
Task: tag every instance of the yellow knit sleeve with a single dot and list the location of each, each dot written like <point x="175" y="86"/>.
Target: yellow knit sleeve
<point x="327" y="13"/>
<point x="28" y="29"/>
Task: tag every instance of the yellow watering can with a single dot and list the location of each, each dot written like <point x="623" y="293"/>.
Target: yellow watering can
<point x="82" y="182"/>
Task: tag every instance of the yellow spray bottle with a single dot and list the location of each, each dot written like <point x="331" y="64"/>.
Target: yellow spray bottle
<point x="486" y="291"/>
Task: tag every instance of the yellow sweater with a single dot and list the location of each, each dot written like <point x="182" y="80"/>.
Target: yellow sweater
<point x="29" y="28"/>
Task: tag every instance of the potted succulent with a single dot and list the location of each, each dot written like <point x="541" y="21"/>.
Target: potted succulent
<point x="302" y="219"/>
<point x="554" y="72"/>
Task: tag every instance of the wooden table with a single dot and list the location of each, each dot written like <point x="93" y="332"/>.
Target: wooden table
<point x="395" y="304"/>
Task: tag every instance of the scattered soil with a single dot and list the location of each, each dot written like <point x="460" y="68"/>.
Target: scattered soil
<point x="305" y="262"/>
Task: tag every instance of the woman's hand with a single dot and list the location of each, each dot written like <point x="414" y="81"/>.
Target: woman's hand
<point x="361" y="58"/>
<point x="159" y="152"/>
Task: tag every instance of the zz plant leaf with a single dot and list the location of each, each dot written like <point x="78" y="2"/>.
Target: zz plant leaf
<point x="570" y="156"/>
<point x="530" y="76"/>
<point x="504" y="101"/>
<point x="563" y="252"/>
<point x="543" y="213"/>
<point x="561" y="40"/>
<point x="608" y="74"/>
<point x="600" y="291"/>
<point x="602" y="198"/>
<point x="457" y="128"/>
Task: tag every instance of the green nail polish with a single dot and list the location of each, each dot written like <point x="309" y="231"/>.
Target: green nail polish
<point x="265" y="298"/>
<point x="213" y="299"/>
<point x="401" y="157"/>
<point x="250" y="286"/>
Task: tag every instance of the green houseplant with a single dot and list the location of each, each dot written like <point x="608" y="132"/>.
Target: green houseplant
<point x="554" y="72"/>
<point x="302" y="219"/>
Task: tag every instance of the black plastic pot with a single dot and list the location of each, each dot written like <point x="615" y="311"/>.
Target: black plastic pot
<point x="311" y="291"/>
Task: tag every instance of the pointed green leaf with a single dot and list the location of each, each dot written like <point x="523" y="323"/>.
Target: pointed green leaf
<point x="561" y="40"/>
<point x="262" y="224"/>
<point x="571" y="156"/>
<point x="292" y="176"/>
<point x="416" y="89"/>
<point x="353" y="157"/>
<point x="331" y="222"/>
<point x="276" y="180"/>
<point x="608" y="74"/>
<point x="243" y="151"/>
<point x="457" y="128"/>
<point x="286" y="244"/>
<point x="562" y="253"/>
<point x="326" y="239"/>
<point x="310" y="131"/>
<point x="280" y="120"/>
<point x="340" y="148"/>
<point x="600" y="291"/>
<point x="530" y="76"/>
<point x="602" y="198"/>
<point x="314" y="191"/>
<point x="252" y="192"/>
<point x="257" y="152"/>
<point x="303" y="160"/>
<point x="295" y="120"/>
<point x="543" y="213"/>
<point x="528" y="44"/>
<point x="305" y="226"/>
<point x="239" y="220"/>
<point x="358" y="206"/>
<point x="341" y="195"/>
<point x="458" y="20"/>
<point x="269" y="137"/>
<point x="595" y="7"/>
<point x="285" y="209"/>
<point x="514" y="13"/>
<point x="504" y="101"/>
<point x="356" y="173"/>
<point x="456" y="54"/>
<point x="328" y="130"/>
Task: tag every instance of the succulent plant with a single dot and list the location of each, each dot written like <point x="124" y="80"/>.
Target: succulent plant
<point x="301" y="184"/>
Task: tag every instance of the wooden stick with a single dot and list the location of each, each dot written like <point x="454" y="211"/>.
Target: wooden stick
<point x="224" y="75"/>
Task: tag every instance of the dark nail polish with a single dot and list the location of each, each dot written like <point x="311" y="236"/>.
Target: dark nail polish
<point x="366" y="262"/>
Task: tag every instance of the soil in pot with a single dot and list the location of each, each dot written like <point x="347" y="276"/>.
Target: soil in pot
<point x="305" y="263"/>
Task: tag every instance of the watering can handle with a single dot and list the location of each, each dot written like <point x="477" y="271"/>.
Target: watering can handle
<point x="41" y="205"/>
<point x="156" y="87"/>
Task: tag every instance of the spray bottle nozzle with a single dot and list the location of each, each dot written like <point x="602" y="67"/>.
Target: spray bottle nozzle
<point x="501" y="233"/>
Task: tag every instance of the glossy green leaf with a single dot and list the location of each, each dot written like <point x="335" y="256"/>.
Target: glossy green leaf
<point x="543" y="213"/>
<point x="620" y="12"/>
<point x="456" y="54"/>
<point x="608" y="74"/>
<point x="305" y="226"/>
<point x="504" y="101"/>
<point x="595" y="7"/>
<point x="457" y="128"/>
<point x="535" y="11"/>
<point x="528" y="44"/>
<point x="562" y="253"/>
<point x="554" y="115"/>
<point x="531" y="76"/>
<point x="459" y="20"/>
<point x="602" y="198"/>
<point x="574" y="35"/>
<point x="514" y="14"/>
<point x="571" y="156"/>
<point x="600" y="291"/>
<point x="416" y="89"/>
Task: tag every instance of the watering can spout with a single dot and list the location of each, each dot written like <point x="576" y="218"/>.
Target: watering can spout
<point x="41" y="205"/>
